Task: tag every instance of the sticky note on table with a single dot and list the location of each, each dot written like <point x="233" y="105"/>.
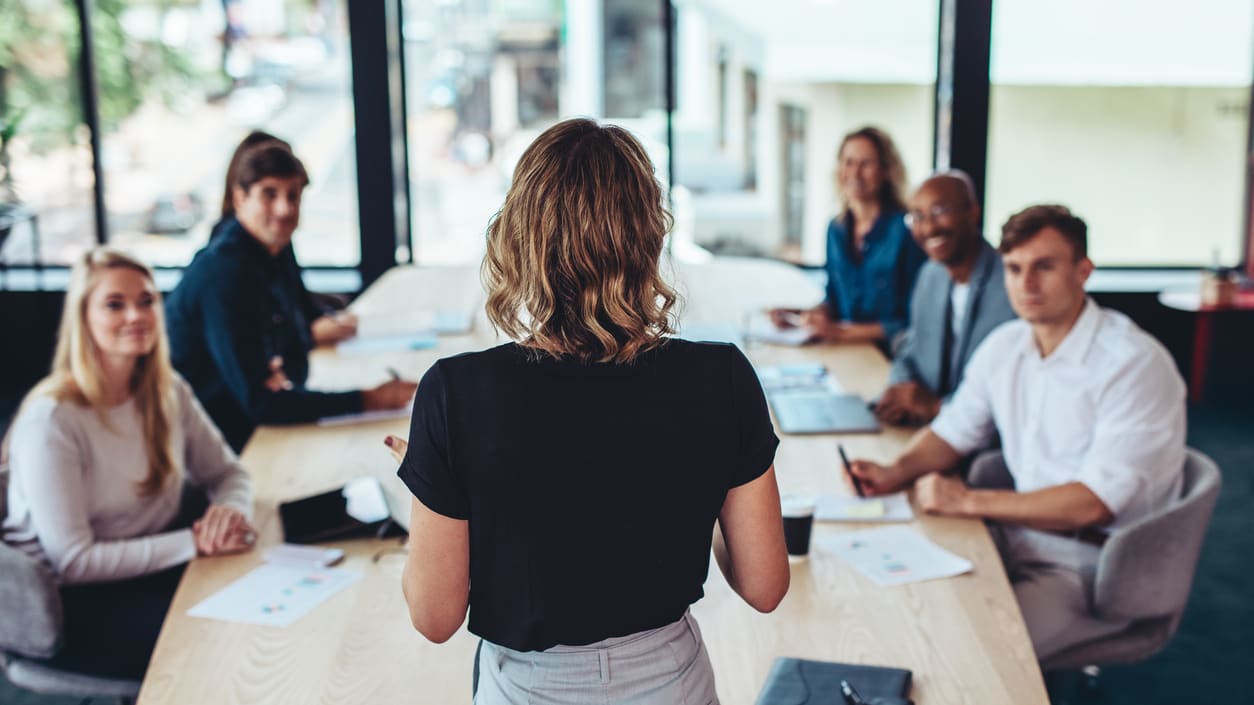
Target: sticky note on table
<point x="892" y="507"/>
<point x="870" y="509"/>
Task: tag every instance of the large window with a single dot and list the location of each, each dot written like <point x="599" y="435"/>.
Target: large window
<point x="1134" y="113"/>
<point x="181" y="82"/>
<point x="766" y="90"/>
<point x="485" y="78"/>
<point x="177" y="84"/>
<point x="46" y="202"/>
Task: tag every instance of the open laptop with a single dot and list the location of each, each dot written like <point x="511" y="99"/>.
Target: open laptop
<point x="817" y="410"/>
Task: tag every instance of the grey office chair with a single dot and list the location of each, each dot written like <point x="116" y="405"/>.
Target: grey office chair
<point x="1145" y="569"/>
<point x="30" y="628"/>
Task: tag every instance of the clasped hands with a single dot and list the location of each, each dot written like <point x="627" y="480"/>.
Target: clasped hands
<point x="907" y="404"/>
<point x="223" y="530"/>
<point x="936" y="493"/>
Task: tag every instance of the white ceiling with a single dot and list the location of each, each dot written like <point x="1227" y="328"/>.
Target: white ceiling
<point x="1097" y="42"/>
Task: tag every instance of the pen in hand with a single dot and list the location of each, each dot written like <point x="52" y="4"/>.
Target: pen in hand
<point x="393" y="373"/>
<point x="844" y="459"/>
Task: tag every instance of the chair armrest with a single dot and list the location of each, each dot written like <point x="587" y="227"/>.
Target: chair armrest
<point x="989" y="472"/>
<point x="30" y="605"/>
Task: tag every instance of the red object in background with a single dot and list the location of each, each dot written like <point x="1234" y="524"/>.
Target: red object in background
<point x="1191" y="301"/>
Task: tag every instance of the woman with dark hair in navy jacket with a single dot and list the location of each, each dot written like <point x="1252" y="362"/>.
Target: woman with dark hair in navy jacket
<point x="241" y="321"/>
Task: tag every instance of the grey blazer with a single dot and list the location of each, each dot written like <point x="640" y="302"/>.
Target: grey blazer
<point x="919" y="354"/>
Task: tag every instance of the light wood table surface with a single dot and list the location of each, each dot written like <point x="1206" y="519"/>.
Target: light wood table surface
<point x="963" y="637"/>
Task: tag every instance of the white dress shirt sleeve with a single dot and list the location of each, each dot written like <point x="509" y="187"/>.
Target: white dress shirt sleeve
<point x="1138" y="442"/>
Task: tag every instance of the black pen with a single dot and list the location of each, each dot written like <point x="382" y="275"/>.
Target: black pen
<point x="851" y="695"/>
<point x="395" y="375"/>
<point x="857" y="484"/>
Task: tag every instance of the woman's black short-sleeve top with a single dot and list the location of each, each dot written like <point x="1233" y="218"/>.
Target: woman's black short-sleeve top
<point x="591" y="490"/>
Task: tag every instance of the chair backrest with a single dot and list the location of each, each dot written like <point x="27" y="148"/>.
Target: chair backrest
<point x="30" y="605"/>
<point x="1146" y="568"/>
<point x="989" y="472"/>
<point x="4" y="490"/>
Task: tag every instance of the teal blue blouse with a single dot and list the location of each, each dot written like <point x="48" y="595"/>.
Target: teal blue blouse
<point x="874" y="284"/>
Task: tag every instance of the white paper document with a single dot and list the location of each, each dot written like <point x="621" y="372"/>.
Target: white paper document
<point x="386" y="343"/>
<point x="892" y="507"/>
<point x="761" y="328"/>
<point x="367" y="416"/>
<point x="698" y="331"/>
<point x="799" y="375"/>
<point x="273" y="595"/>
<point x="384" y="325"/>
<point x="894" y="555"/>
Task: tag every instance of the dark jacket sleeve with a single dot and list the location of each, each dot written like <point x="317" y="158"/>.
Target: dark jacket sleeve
<point x="909" y="261"/>
<point x="235" y="335"/>
<point x="905" y="367"/>
<point x="308" y="306"/>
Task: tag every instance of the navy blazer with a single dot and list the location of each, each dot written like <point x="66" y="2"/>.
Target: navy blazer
<point x="921" y="352"/>
<point x="235" y="308"/>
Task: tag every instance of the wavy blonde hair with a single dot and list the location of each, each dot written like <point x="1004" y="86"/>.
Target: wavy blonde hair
<point x="892" y="191"/>
<point x="77" y="376"/>
<point x="572" y="257"/>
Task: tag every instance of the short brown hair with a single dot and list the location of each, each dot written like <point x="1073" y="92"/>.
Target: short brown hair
<point x="265" y="160"/>
<point x="572" y="258"/>
<point x="252" y="139"/>
<point x="1029" y="222"/>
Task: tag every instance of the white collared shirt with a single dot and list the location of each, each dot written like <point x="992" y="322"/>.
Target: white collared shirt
<point x="1106" y="409"/>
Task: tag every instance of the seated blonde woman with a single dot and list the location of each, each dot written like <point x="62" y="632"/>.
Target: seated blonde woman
<point x="101" y="453"/>
<point x="568" y="487"/>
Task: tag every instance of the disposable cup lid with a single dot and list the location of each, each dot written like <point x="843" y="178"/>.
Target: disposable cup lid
<point x="797" y="505"/>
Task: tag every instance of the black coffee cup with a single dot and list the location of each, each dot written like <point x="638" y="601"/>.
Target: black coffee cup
<point x="798" y="523"/>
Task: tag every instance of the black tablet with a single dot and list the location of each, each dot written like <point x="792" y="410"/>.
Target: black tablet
<point x="356" y="510"/>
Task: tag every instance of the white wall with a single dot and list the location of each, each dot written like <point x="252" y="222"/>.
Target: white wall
<point x="1157" y="173"/>
<point x="905" y="112"/>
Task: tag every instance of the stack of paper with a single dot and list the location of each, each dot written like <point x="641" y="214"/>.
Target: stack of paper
<point x="362" y="345"/>
<point x="894" y="555"/>
<point x="698" y="331"/>
<point x="761" y="328"/>
<point x="804" y="375"/>
<point x="366" y="416"/>
<point x="382" y="325"/>
<point x="408" y="330"/>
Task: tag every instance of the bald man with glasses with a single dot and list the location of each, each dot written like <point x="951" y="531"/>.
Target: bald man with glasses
<point x="959" y="298"/>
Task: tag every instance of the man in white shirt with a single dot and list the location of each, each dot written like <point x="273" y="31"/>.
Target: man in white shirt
<point x="1091" y="414"/>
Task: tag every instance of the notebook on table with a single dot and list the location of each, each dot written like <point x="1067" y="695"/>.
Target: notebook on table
<point x="795" y="681"/>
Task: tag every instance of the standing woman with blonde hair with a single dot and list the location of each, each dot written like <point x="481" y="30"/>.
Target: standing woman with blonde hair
<point x="872" y="260"/>
<point x="100" y="454"/>
<point x="569" y="487"/>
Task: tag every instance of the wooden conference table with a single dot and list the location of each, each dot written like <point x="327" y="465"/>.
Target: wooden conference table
<point x="963" y="637"/>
